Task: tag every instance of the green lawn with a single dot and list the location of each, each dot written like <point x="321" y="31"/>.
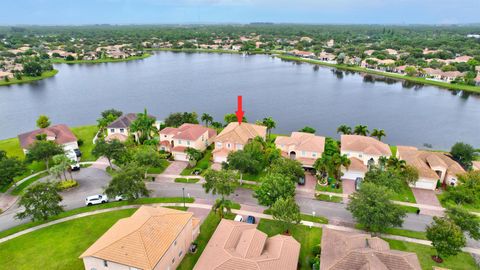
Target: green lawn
<point x="307" y="237"/>
<point x="203" y="164"/>
<point x="305" y="217"/>
<point x="404" y="194"/>
<point x="12" y="147"/>
<point x="187" y="180"/>
<point x="159" y="170"/>
<point x="424" y="253"/>
<point x="253" y="177"/>
<point x="86" y="134"/>
<point x="400" y="232"/>
<point x="446" y="204"/>
<point x="328" y="198"/>
<point x="27" y="79"/>
<point x="393" y="148"/>
<point x="93" y="208"/>
<point x="99" y="61"/>
<point x="20" y="188"/>
<point x="329" y="188"/>
<point x="57" y="246"/>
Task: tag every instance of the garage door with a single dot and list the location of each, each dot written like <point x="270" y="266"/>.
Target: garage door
<point x="425" y="184"/>
<point x="180" y="156"/>
<point x="352" y="175"/>
<point x="219" y="159"/>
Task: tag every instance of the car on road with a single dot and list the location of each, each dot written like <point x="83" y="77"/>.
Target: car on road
<point x="251" y="219"/>
<point x="238" y="218"/>
<point x="96" y="199"/>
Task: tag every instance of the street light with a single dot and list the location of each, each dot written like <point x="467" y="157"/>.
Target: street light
<point x="183" y="195"/>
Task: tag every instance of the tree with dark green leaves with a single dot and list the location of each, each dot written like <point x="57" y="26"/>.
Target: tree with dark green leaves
<point x="193" y="155"/>
<point x="128" y="183"/>
<point x="32" y="69"/>
<point x="10" y="167"/>
<point x="467" y="192"/>
<point x="244" y="162"/>
<point x="378" y="133"/>
<point x="41" y="201"/>
<point x="464" y="154"/>
<point x="222" y="206"/>
<point x="111" y="150"/>
<point x="144" y="126"/>
<point x="361" y="130"/>
<point x="308" y="129"/>
<point x="468" y="222"/>
<point x="108" y="116"/>
<point x="447" y="237"/>
<point x="207" y="119"/>
<point x="147" y="157"/>
<point x="344" y="129"/>
<point x="43" y="121"/>
<point x="291" y="169"/>
<point x="231" y="117"/>
<point x="371" y="207"/>
<point x="287" y="211"/>
<point x="274" y="186"/>
<point x="223" y="183"/>
<point x="270" y="124"/>
<point x="178" y="118"/>
<point x="114" y="112"/>
<point x="43" y="151"/>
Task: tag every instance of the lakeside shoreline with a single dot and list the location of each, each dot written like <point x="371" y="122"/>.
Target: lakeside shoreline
<point x="26" y="79"/>
<point x="100" y="61"/>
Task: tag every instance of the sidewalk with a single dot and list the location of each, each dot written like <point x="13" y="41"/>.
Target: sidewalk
<point x="471" y="250"/>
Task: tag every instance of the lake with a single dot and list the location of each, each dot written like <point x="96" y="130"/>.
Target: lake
<point x="294" y="94"/>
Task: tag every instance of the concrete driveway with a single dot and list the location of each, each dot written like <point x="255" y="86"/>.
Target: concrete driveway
<point x="348" y="188"/>
<point x="427" y="197"/>
<point x="175" y="168"/>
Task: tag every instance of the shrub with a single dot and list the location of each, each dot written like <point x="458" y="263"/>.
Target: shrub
<point x="80" y="142"/>
<point x="63" y="185"/>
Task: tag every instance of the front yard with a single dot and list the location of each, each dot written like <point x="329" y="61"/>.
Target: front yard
<point x="203" y="164"/>
<point x="86" y="135"/>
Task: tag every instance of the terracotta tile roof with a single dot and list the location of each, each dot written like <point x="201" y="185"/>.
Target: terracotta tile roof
<point x="116" y="136"/>
<point x="188" y="132"/>
<point x="237" y="245"/>
<point x="354" y="251"/>
<point x="476" y="165"/>
<point x="236" y="133"/>
<point x="141" y="240"/>
<point x="125" y="121"/>
<point x="179" y="149"/>
<point x="364" y="144"/>
<point x="425" y="160"/>
<point x="303" y="141"/>
<point x="61" y="133"/>
<point x="357" y="165"/>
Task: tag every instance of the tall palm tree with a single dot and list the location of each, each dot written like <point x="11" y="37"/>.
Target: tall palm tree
<point x="361" y="130"/>
<point x="144" y="125"/>
<point x="337" y="161"/>
<point x="222" y="206"/>
<point x="344" y="129"/>
<point x="394" y="162"/>
<point x="378" y="133"/>
<point x="207" y="118"/>
<point x="322" y="165"/>
<point x="269" y="123"/>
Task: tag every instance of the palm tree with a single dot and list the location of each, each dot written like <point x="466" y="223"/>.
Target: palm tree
<point x="344" y="129"/>
<point x="396" y="163"/>
<point x="378" y="133"/>
<point x="222" y="206"/>
<point x="144" y="125"/>
<point x="269" y="123"/>
<point x="361" y="130"/>
<point x="193" y="155"/>
<point x="382" y="162"/>
<point x="207" y="118"/>
<point x="337" y="161"/>
<point x="321" y="165"/>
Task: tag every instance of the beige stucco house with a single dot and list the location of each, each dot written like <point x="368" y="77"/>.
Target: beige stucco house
<point x="362" y="151"/>
<point x="238" y="245"/>
<point x="176" y="140"/>
<point x="153" y="238"/>
<point x="120" y="128"/>
<point x="431" y="166"/>
<point x="60" y="134"/>
<point x="301" y="146"/>
<point x="234" y="137"/>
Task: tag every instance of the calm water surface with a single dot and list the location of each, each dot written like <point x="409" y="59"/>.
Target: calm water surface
<point x="294" y="94"/>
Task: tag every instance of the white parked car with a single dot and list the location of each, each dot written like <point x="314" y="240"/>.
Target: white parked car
<point x="96" y="199"/>
<point x="238" y="218"/>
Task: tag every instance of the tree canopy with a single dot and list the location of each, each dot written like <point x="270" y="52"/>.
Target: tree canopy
<point x="272" y="187"/>
<point x="287" y="211"/>
<point x="127" y="183"/>
<point x="447" y="238"/>
<point x="41" y="201"/>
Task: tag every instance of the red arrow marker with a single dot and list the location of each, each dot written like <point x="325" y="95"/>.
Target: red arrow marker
<point x="239" y="111"/>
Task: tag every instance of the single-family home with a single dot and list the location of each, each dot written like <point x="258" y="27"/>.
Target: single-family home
<point x="238" y="245"/>
<point x="331" y="43"/>
<point x="445" y="76"/>
<point x="303" y="54"/>
<point x="234" y="137"/>
<point x="301" y="146"/>
<point x="60" y="134"/>
<point x="362" y="152"/>
<point x="369" y="52"/>
<point x="428" y="51"/>
<point x="343" y="250"/>
<point x="432" y="167"/>
<point x="120" y="128"/>
<point x="327" y="57"/>
<point x="152" y="238"/>
<point x="306" y="39"/>
<point x="375" y="63"/>
<point x="392" y="52"/>
<point x="5" y="74"/>
<point x="177" y="140"/>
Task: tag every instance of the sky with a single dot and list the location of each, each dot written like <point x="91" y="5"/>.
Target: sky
<point x="80" y="12"/>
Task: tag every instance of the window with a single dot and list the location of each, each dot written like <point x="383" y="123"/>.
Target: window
<point x="105" y="263"/>
<point x="228" y="145"/>
<point x="122" y="130"/>
<point x="180" y="253"/>
<point x="175" y="242"/>
<point x="188" y="142"/>
<point x="314" y="154"/>
<point x="219" y="144"/>
<point x="179" y="141"/>
<point x="360" y="155"/>
<point x="303" y="153"/>
<point x="239" y="146"/>
<point x="112" y="130"/>
<point x="165" y="136"/>
<point x="173" y="260"/>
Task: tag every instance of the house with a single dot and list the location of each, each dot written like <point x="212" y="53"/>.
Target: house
<point x="60" y="134"/>
<point x="234" y="137"/>
<point x="152" y="238"/>
<point x="428" y="51"/>
<point x="330" y="43"/>
<point x="301" y="146"/>
<point x="369" y="52"/>
<point x="432" y="167"/>
<point x="5" y="74"/>
<point x="462" y="59"/>
<point x="400" y="70"/>
<point x="342" y="250"/>
<point x="306" y="39"/>
<point x="445" y="76"/>
<point x="120" y="128"/>
<point x="303" y="54"/>
<point x="362" y="152"/>
<point x="327" y="57"/>
<point x="392" y="51"/>
<point x="177" y="140"/>
<point x="377" y="63"/>
<point x="238" y="245"/>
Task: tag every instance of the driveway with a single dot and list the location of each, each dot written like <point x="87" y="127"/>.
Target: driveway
<point x="348" y="188"/>
<point x="427" y="197"/>
<point x="175" y="168"/>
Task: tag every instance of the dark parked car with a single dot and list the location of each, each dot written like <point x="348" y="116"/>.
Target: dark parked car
<point x="251" y="219"/>
<point x="78" y="152"/>
<point x="358" y="183"/>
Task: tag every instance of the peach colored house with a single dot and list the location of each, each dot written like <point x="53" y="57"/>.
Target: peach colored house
<point x="153" y="238"/>
<point x="356" y="251"/>
<point x="176" y="140"/>
<point x="238" y="245"/>
<point x="362" y="151"/>
<point x="234" y="137"/>
<point x="301" y="146"/>
<point x="431" y="166"/>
